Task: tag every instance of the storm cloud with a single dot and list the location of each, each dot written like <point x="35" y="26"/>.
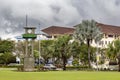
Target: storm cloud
<point x="54" y="12"/>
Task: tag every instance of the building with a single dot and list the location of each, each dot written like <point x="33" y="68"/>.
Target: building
<point x="110" y="33"/>
<point x="55" y="31"/>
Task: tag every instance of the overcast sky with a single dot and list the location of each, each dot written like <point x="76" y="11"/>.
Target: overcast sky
<point x="54" y="12"/>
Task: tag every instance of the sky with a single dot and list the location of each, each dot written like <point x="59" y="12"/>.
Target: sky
<point x="45" y="13"/>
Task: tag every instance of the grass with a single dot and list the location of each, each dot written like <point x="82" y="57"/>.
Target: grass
<point x="6" y="74"/>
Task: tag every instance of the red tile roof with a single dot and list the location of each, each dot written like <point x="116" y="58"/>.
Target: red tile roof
<point x="109" y="29"/>
<point x="58" y="30"/>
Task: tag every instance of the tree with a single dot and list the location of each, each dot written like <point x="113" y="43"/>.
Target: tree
<point x="7" y="58"/>
<point x="6" y="49"/>
<point x="46" y="49"/>
<point x="75" y="49"/>
<point x="36" y="56"/>
<point x="20" y="48"/>
<point x="86" y="32"/>
<point x="84" y="53"/>
<point x="79" y="51"/>
<point x="6" y="46"/>
<point x="62" y="49"/>
<point x="113" y="51"/>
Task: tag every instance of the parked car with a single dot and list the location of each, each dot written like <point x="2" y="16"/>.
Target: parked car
<point x="49" y="67"/>
<point x="114" y="67"/>
<point x="100" y="67"/>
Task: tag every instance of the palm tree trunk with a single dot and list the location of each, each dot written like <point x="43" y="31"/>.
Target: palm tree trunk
<point x="64" y="62"/>
<point x="88" y="44"/>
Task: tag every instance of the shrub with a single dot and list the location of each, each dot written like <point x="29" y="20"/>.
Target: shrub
<point x="77" y="68"/>
<point x="75" y="62"/>
<point x="7" y="58"/>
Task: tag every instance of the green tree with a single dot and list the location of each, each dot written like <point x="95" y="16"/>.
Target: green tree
<point x="6" y="46"/>
<point x="7" y="58"/>
<point x="62" y="49"/>
<point x="75" y="62"/>
<point x="36" y="55"/>
<point x="20" y="48"/>
<point x="46" y="49"/>
<point x="6" y="49"/>
<point x="84" y="53"/>
<point x="113" y="51"/>
<point x="75" y="49"/>
<point x="86" y="32"/>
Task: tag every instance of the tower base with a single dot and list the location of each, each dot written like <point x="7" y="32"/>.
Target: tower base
<point x="28" y="64"/>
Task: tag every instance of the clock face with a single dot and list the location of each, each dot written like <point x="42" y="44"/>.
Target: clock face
<point x="29" y="31"/>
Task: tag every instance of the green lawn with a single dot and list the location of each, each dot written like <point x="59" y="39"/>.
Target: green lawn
<point x="58" y="75"/>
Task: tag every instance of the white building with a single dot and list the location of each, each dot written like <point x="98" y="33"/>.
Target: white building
<point x="110" y="33"/>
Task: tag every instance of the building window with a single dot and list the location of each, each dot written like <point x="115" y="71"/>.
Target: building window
<point x="55" y="36"/>
<point x="110" y="36"/>
<point x="101" y="43"/>
<point x="105" y="42"/>
<point x="49" y="36"/>
<point x="71" y="34"/>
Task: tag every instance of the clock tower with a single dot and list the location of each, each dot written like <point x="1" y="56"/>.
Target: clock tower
<point x="29" y="37"/>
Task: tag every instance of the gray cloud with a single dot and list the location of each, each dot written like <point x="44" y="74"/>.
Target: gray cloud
<point x="54" y="12"/>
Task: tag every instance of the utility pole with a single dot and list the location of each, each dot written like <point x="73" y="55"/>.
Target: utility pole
<point x="39" y="44"/>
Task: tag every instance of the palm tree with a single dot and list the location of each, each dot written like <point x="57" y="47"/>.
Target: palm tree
<point x="117" y="50"/>
<point x="75" y="49"/>
<point x="62" y="48"/>
<point x="113" y="51"/>
<point x="86" y="32"/>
